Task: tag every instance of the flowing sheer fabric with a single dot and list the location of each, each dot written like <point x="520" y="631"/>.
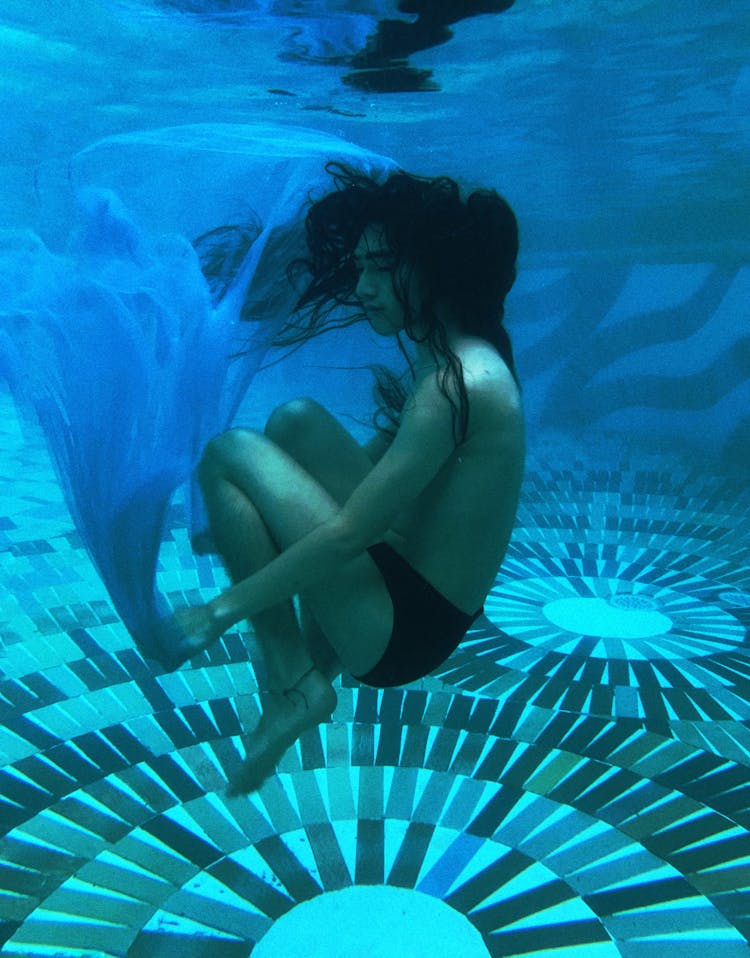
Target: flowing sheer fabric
<point x="121" y="349"/>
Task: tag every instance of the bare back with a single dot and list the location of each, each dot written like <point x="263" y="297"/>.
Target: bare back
<point x="456" y="533"/>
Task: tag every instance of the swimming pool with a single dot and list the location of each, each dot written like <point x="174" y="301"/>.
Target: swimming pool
<point x="574" y="780"/>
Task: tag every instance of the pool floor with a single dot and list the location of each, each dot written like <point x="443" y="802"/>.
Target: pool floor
<point x="573" y="782"/>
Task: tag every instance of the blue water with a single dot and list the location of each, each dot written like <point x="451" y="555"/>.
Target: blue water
<point x="621" y="139"/>
<point x="574" y="781"/>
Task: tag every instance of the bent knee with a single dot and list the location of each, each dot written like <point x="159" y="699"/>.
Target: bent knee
<point x="221" y="452"/>
<point x="294" y="419"/>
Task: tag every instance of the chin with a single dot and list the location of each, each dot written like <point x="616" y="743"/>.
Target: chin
<point x="378" y="324"/>
<point x="385" y="330"/>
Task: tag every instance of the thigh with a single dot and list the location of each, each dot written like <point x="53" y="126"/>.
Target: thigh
<point x="321" y="445"/>
<point x="289" y="500"/>
<point x="354" y="610"/>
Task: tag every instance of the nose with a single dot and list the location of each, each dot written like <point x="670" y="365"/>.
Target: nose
<point x="364" y="288"/>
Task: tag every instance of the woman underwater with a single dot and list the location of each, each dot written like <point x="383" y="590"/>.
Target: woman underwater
<point x="391" y="547"/>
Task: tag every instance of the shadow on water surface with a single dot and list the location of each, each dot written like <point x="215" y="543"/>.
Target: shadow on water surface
<point x="381" y="64"/>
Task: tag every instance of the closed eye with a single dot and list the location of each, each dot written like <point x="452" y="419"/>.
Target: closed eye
<point x="381" y="263"/>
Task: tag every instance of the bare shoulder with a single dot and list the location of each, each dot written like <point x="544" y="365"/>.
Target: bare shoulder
<point x="495" y="409"/>
<point x="493" y="392"/>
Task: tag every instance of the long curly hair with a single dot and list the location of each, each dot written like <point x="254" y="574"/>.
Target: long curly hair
<point x="464" y="252"/>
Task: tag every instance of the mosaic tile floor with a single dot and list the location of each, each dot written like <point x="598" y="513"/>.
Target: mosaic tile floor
<point x="574" y="782"/>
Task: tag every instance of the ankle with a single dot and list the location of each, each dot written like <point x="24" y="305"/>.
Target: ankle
<point x="301" y="679"/>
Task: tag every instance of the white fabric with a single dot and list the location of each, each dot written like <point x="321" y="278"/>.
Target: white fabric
<point x="116" y="347"/>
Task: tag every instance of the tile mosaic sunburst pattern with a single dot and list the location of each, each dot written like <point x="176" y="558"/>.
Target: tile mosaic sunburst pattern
<point x="574" y="780"/>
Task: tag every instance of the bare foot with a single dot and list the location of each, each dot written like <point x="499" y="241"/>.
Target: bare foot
<point x="285" y="717"/>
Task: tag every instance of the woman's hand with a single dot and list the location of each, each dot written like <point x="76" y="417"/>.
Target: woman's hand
<point x="187" y="632"/>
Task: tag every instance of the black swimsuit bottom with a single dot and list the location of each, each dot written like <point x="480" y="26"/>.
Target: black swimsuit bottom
<point x="427" y="627"/>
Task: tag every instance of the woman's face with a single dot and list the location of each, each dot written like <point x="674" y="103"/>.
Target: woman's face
<point x="376" y="285"/>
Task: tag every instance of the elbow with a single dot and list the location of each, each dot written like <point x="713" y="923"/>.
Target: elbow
<point x="348" y="540"/>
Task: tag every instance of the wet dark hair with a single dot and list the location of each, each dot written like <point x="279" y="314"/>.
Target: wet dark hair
<point x="464" y="252"/>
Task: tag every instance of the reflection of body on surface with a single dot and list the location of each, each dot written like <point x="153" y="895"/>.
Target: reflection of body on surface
<point x="391" y="547"/>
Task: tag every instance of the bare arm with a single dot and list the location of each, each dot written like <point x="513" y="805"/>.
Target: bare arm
<point x="421" y="447"/>
<point x="378" y="446"/>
